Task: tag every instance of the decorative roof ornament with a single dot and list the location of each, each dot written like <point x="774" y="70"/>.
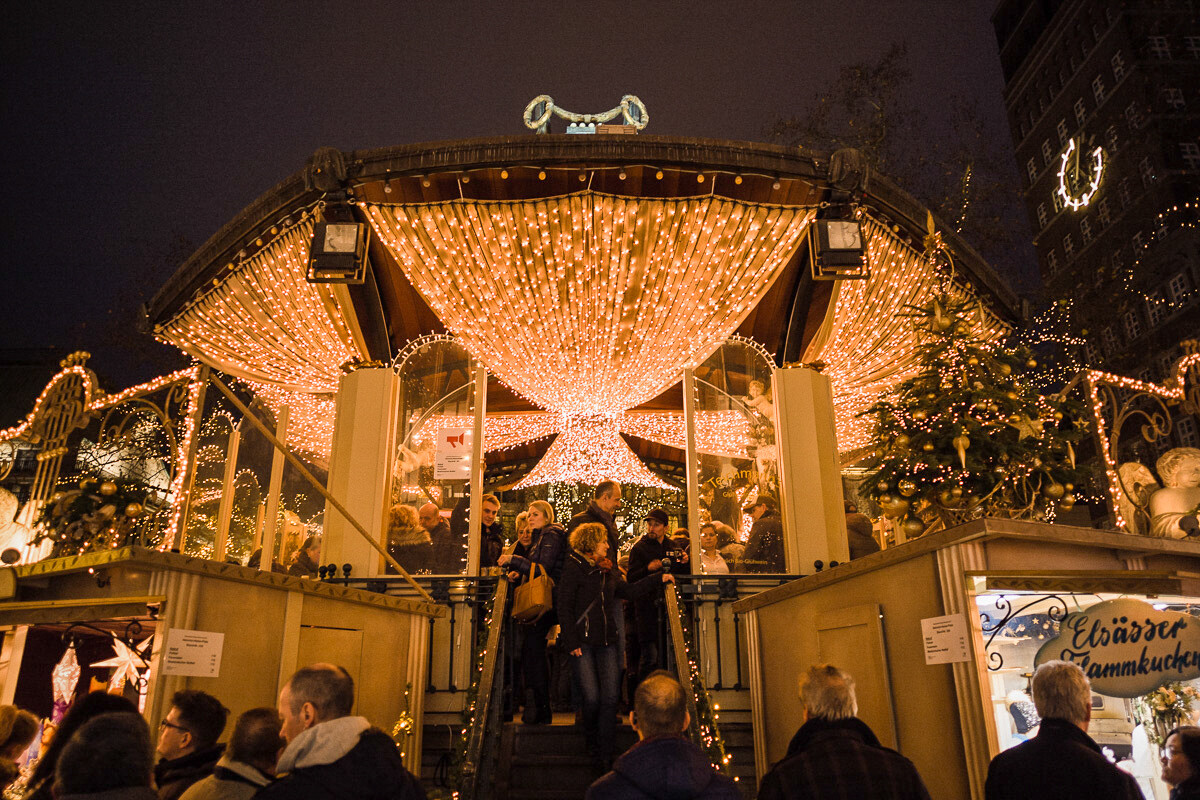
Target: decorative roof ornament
<point x="537" y="114"/>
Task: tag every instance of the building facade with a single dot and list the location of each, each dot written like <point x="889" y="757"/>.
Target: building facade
<point x="1103" y="100"/>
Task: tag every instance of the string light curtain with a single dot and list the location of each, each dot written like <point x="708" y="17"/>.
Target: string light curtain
<point x="265" y="322"/>
<point x="868" y="343"/>
<point x="619" y="294"/>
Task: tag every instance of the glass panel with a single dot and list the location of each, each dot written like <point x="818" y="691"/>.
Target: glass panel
<point x="427" y="522"/>
<point x="735" y="443"/>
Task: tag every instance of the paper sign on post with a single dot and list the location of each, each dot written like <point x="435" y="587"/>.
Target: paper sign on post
<point x="945" y="639"/>
<point x="452" y="460"/>
<point x="195" y="654"/>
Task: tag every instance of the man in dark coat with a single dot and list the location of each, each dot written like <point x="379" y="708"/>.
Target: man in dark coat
<point x="331" y="754"/>
<point x="605" y="502"/>
<point x="646" y="557"/>
<point x="446" y="554"/>
<point x="836" y="755"/>
<point x="491" y="529"/>
<point x="663" y="763"/>
<point x="764" y="549"/>
<point x="1062" y="762"/>
<point x="187" y="742"/>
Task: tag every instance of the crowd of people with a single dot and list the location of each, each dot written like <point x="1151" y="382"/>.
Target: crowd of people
<point x="312" y="746"/>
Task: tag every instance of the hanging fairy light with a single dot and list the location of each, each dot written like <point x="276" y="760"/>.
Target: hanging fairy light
<point x="623" y="294"/>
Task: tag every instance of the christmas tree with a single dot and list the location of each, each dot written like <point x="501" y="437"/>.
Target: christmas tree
<point x="969" y="434"/>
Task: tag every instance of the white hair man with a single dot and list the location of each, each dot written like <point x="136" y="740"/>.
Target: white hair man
<point x="1062" y="761"/>
<point x="835" y="754"/>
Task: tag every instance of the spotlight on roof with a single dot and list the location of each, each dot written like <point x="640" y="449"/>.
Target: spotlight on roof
<point x="339" y="247"/>
<point x="836" y="249"/>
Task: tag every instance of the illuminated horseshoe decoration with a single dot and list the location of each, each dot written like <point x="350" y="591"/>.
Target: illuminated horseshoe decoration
<point x="631" y="109"/>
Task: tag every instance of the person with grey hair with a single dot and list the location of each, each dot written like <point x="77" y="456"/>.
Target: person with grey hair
<point x="835" y="754"/>
<point x="1061" y="762"/>
<point x="249" y="761"/>
<point x="331" y="754"/>
<point x="109" y="757"/>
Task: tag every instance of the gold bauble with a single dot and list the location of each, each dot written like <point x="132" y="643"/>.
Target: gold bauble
<point x="87" y="483"/>
<point x="1005" y="369"/>
<point x="107" y="488"/>
<point x="931" y="396"/>
<point x="901" y="442"/>
<point x="133" y="510"/>
<point x="885" y="500"/>
<point x="882" y="485"/>
<point x="956" y="492"/>
<point x="927" y="447"/>
<point x="1070" y="487"/>
<point x="1012" y="395"/>
<point x="993" y="407"/>
<point x="913" y="527"/>
<point x="918" y="415"/>
<point x="1053" y="490"/>
<point x="1031" y="363"/>
<point x="897" y="508"/>
<point x="1067" y="503"/>
<point x="973" y="361"/>
<point x="1058" y="415"/>
<point x="907" y="488"/>
<point x="947" y="498"/>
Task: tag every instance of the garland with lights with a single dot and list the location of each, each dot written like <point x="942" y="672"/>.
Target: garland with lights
<point x="967" y="435"/>
<point x="711" y="740"/>
<point x="99" y="515"/>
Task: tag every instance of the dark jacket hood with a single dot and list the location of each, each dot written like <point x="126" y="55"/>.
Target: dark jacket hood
<point x="666" y="768"/>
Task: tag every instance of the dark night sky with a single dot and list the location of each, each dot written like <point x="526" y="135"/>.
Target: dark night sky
<point x="132" y="124"/>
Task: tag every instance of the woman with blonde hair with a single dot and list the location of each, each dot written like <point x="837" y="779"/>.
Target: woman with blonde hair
<point x="586" y="607"/>
<point x="547" y="548"/>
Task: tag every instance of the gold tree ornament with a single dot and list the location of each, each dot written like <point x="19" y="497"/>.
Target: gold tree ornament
<point x="913" y="527"/>
<point x="901" y="442"/>
<point x="108" y="488"/>
<point x="961" y="443"/>
<point x="1053" y="490"/>
<point x="1067" y="502"/>
<point x="919" y="415"/>
<point x="928" y="447"/>
<point x="1028" y="426"/>
<point x="907" y="488"/>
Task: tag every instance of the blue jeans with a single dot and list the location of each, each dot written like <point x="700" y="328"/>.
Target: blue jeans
<point x="598" y="671"/>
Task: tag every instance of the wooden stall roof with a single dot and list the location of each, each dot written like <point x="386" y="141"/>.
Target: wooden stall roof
<point x="33" y="579"/>
<point x="992" y="529"/>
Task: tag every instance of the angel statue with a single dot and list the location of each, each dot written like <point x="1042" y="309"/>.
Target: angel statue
<point x="1169" y="511"/>
<point x="759" y="400"/>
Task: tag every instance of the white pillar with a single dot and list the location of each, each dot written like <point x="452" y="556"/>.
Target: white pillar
<point x="360" y="468"/>
<point x="810" y="472"/>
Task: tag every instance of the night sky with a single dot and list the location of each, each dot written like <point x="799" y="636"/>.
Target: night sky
<point x="136" y="129"/>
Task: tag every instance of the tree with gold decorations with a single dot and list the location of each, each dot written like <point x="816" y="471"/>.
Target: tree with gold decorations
<point x="969" y="434"/>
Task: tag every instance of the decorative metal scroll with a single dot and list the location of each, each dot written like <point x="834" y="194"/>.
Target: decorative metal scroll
<point x="537" y="113"/>
<point x="127" y="638"/>
<point x="1122" y="405"/>
<point x="992" y="628"/>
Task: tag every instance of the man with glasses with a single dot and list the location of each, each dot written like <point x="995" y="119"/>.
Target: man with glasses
<point x="187" y="742"/>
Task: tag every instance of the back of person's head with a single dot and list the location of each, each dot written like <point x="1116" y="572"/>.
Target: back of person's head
<point x="828" y="693"/>
<point x="1061" y="690"/>
<point x="659" y="706"/>
<point x="255" y="739"/>
<point x="605" y="489"/>
<point x="111" y="751"/>
<point x="202" y="714"/>
<point x="329" y="689"/>
<point x="587" y="537"/>
<point x="86" y="708"/>
<point x="17" y="729"/>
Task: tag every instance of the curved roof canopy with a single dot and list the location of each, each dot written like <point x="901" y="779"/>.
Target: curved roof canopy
<point x="585" y="271"/>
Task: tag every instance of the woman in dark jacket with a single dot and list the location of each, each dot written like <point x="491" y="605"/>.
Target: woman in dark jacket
<point x="585" y="611"/>
<point x="304" y="561"/>
<point x="547" y="548"/>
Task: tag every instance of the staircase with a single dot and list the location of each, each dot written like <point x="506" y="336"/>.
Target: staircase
<point x="548" y="762"/>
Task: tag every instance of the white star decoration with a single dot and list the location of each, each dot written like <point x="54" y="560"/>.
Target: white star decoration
<point x="128" y="662"/>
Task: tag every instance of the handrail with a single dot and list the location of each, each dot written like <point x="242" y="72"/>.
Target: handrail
<point x="476" y="734"/>
<point x="683" y="669"/>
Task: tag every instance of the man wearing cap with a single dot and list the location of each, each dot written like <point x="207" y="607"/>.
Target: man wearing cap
<point x="764" y="550"/>
<point x="645" y="558"/>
